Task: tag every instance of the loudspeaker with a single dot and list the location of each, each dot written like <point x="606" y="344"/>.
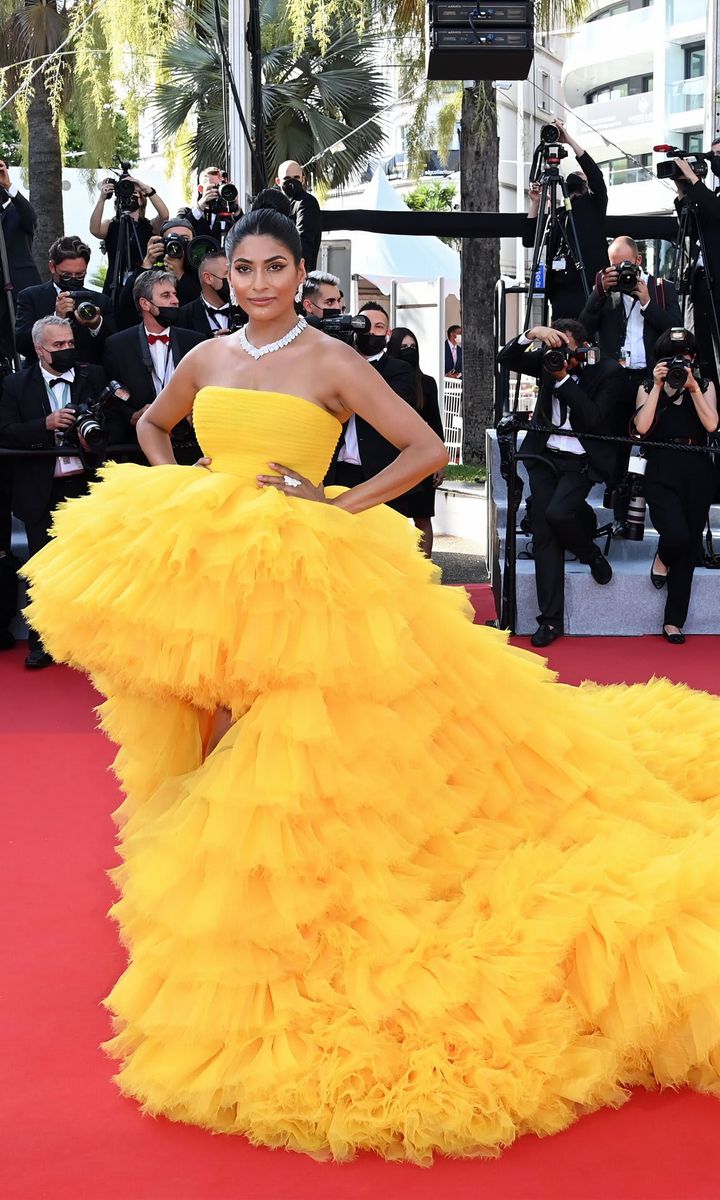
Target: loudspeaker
<point x="468" y="41"/>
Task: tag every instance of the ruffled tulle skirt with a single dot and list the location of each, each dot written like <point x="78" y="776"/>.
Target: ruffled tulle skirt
<point x="421" y="897"/>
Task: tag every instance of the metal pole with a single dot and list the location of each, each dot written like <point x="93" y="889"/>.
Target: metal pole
<point x="240" y="163"/>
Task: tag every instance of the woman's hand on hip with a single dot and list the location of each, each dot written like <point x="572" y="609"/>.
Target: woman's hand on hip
<point x="292" y="483"/>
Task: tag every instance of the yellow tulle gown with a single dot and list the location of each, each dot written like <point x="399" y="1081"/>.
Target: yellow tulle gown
<point x="421" y="898"/>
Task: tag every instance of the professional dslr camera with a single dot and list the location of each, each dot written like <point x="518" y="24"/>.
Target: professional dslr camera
<point x="90" y="420"/>
<point x="628" y="277"/>
<point x="225" y="203"/>
<point x="84" y="305"/>
<point x="677" y="365"/>
<point x="557" y="357"/>
<point x="342" y="326"/>
<point x="124" y="190"/>
<point x="670" y="169"/>
<point x="549" y="153"/>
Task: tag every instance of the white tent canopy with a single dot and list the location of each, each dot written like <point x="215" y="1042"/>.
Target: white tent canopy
<point x="384" y="258"/>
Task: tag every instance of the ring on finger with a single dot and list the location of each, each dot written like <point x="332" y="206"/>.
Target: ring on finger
<point x="290" y="482"/>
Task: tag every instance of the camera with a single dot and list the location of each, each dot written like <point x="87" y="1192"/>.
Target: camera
<point x="670" y="169"/>
<point x="84" y="306"/>
<point x="90" y="420"/>
<point x="628" y="277"/>
<point x="225" y="203"/>
<point x="343" y="326"/>
<point x="174" y="246"/>
<point x="237" y="317"/>
<point x="557" y="357"/>
<point x="549" y="133"/>
<point x="123" y="188"/>
<point x="677" y="371"/>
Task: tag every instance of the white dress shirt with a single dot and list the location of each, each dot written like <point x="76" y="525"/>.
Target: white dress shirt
<point x="218" y="318"/>
<point x="633" y="350"/>
<point x="558" y="441"/>
<point x="162" y="361"/>
<point x="60" y="396"/>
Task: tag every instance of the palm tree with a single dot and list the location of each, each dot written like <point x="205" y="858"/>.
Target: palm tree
<point x="312" y="97"/>
<point x="28" y="35"/>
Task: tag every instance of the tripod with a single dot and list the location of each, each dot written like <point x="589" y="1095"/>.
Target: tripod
<point x="550" y="230"/>
<point x="127" y="234"/>
<point x="11" y="357"/>
<point x="686" y="265"/>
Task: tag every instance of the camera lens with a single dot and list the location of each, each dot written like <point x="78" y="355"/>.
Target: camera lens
<point x="229" y="192"/>
<point x="549" y="133"/>
<point x="554" y="360"/>
<point x="628" y="277"/>
<point x="87" y="311"/>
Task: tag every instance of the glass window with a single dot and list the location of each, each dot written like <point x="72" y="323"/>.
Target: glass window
<point x="635" y="85"/>
<point x="628" y="170"/>
<point x="695" y="61"/>
<point x="692" y="143"/>
<point x="616" y="10"/>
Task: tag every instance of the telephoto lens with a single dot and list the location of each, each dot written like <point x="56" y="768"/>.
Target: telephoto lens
<point x="637" y="503"/>
<point x="228" y="193"/>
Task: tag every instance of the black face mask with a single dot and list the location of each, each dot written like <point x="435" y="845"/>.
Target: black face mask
<point x="575" y="184"/>
<point x="715" y="164"/>
<point x="292" y="188"/>
<point x="66" y="283"/>
<point x="63" y="360"/>
<point x="167" y="315"/>
<point x="223" y="291"/>
<point x="370" y="344"/>
<point x="410" y="354"/>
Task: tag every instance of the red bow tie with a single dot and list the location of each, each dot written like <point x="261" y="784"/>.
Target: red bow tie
<point x="158" y="337"/>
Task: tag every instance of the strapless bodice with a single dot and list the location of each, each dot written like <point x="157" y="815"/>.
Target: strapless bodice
<point x="243" y="430"/>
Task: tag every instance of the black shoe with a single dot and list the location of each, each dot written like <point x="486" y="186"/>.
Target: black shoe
<point x="600" y="568"/>
<point x="658" y="581"/>
<point x="544" y="635"/>
<point x="675" y="639"/>
<point x="7" y="641"/>
<point x="37" y="659"/>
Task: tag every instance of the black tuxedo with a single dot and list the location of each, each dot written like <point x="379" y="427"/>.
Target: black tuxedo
<point x="127" y="359"/>
<point x="195" y="316"/>
<point x="449" y="364"/>
<point x="39" y="301"/>
<point x="560" y="481"/>
<point x="18" y="226"/>
<point x="376" y="452"/>
<point x="604" y="315"/>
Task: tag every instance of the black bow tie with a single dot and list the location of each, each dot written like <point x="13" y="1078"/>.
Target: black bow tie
<point x="60" y="379"/>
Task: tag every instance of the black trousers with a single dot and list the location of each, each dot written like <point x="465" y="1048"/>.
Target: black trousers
<point x="348" y="475"/>
<point x="679" y="487"/>
<point x="38" y="530"/>
<point x="561" y="520"/>
<point x="702" y="320"/>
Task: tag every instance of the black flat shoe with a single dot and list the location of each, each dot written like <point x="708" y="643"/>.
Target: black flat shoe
<point x="658" y="581"/>
<point x="37" y="659"/>
<point x="600" y="568"/>
<point x="544" y="635"/>
<point x="675" y="639"/>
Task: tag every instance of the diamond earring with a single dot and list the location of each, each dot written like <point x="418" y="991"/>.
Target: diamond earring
<point x="298" y="295"/>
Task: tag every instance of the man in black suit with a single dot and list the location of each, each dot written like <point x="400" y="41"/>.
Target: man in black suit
<point x="18" y="220"/>
<point x="144" y="358"/>
<point x="210" y="215"/>
<point x="588" y="197"/>
<point x="705" y="202"/>
<point x="187" y="284"/>
<point x="209" y="314"/>
<point x="305" y="210"/>
<point x="69" y="258"/>
<point x="575" y="398"/>
<point x="453" y="352"/>
<point x="36" y="411"/>
<point x="361" y="451"/>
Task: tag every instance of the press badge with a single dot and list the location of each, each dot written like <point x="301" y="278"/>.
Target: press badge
<point x="559" y="264"/>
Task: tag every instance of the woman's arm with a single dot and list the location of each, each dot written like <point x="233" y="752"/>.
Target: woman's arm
<point x="174" y="402"/>
<point x="363" y="391"/>
<point x="705" y="403"/>
<point x="646" y="402"/>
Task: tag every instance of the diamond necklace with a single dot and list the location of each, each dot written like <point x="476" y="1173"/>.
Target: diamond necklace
<point x="259" y="351"/>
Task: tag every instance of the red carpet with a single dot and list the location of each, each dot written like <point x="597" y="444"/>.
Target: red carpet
<point x="67" y="1134"/>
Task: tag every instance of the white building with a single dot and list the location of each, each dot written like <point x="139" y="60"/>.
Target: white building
<point x="636" y="75"/>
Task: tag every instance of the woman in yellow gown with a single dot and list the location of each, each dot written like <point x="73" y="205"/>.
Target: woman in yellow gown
<point x="385" y="884"/>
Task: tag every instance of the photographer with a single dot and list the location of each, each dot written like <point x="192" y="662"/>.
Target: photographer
<point x="677" y="406"/>
<point x="18" y="220"/>
<point x="216" y="207"/>
<point x="321" y="295"/>
<point x="573" y="397"/>
<point x="588" y="200"/>
<point x="706" y="276"/>
<point x="69" y="258"/>
<point x="210" y="313"/>
<point x="305" y="210"/>
<point x="38" y="411"/>
<point x="362" y="452"/>
<point x="166" y="251"/>
<point x="143" y="359"/>
<point x="108" y="229"/>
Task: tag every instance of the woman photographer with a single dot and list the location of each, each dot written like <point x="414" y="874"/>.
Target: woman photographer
<point x="419" y="504"/>
<point x="679" y="485"/>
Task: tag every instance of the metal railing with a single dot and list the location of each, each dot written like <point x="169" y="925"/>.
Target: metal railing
<point x="453" y="418"/>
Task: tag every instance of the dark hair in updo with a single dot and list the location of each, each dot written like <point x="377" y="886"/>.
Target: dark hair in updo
<point x="265" y="221"/>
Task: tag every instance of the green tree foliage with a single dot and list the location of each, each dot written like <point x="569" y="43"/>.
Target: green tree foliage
<point x="312" y="97"/>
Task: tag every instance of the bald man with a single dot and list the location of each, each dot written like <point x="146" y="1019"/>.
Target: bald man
<point x="305" y="210"/>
